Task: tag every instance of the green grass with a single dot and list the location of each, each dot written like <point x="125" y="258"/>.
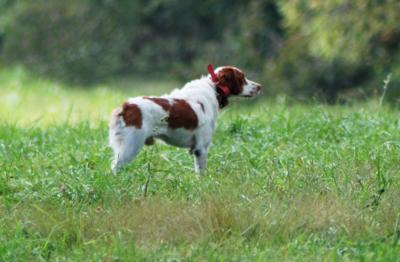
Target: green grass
<point x="284" y="182"/>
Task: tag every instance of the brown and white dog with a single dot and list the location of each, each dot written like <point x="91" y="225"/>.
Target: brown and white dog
<point x="185" y="118"/>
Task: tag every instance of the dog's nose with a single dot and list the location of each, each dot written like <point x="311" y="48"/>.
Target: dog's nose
<point x="258" y="88"/>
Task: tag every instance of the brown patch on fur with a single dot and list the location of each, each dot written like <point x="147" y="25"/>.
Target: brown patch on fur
<point x="164" y="103"/>
<point x="232" y="78"/>
<point x="132" y="115"/>
<point x="149" y="141"/>
<point x="182" y="115"/>
<point x="202" y="106"/>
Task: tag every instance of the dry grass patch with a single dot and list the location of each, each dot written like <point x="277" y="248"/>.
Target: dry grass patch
<point x="154" y="221"/>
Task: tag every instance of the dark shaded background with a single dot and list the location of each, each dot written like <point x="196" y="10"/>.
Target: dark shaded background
<point x="307" y="49"/>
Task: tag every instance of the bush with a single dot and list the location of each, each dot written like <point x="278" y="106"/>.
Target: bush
<point x="72" y="40"/>
<point x="303" y="48"/>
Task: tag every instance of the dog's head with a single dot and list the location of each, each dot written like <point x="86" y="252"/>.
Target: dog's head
<point x="236" y="81"/>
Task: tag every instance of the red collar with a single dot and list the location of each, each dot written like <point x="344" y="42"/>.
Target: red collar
<point x="221" y="89"/>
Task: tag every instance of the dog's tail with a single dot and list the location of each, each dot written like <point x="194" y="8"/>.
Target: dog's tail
<point x="116" y="118"/>
<point x="116" y="125"/>
<point x="125" y="140"/>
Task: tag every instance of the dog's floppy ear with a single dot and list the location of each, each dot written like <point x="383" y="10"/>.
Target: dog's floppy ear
<point x="232" y="78"/>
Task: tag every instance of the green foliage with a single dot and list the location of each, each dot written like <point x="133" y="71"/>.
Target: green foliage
<point x="303" y="75"/>
<point x="349" y="30"/>
<point x="284" y="182"/>
<point x="85" y="40"/>
<point x="304" y="48"/>
<point x="352" y="42"/>
<point x="66" y="39"/>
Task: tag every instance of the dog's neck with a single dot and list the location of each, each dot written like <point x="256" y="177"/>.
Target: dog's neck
<point x="208" y="88"/>
<point x="222" y="98"/>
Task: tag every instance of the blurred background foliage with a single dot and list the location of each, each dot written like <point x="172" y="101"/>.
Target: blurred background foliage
<point x="316" y="48"/>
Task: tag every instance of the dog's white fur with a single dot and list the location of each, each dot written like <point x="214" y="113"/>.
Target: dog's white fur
<point x="126" y="141"/>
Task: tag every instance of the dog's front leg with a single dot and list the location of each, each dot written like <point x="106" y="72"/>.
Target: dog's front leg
<point x="200" y="161"/>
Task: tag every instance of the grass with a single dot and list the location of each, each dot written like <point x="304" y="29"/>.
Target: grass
<point x="285" y="181"/>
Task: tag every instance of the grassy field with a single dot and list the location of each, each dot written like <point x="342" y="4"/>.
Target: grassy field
<point x="285" y="181"/>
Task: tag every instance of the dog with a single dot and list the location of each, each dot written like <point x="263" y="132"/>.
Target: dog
<point x="184" y="118"/>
